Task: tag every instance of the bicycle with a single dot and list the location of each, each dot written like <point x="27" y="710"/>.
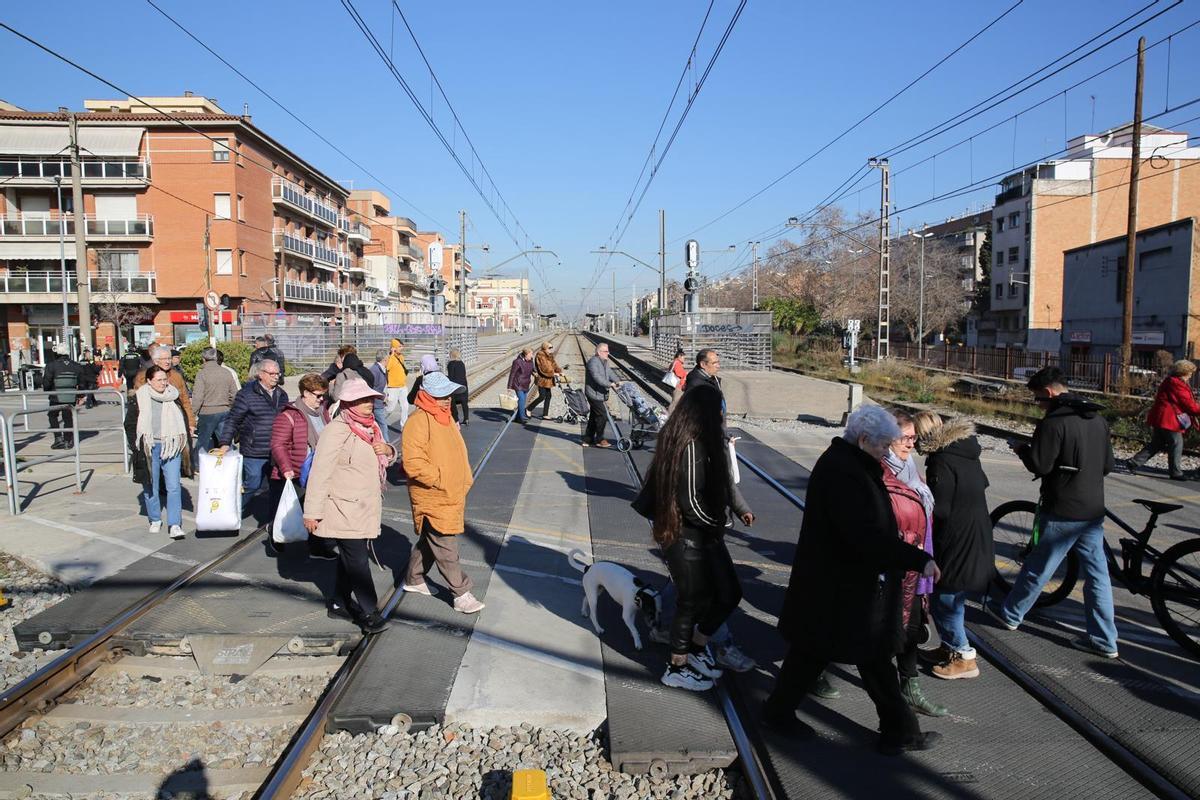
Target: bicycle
<point x="1173" y="585"/>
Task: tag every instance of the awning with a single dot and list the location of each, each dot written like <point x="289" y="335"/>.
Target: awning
<point x="36" y="250"/>
<point x="48" y="140"/>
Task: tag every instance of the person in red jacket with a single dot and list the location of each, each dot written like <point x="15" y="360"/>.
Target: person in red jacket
<point x="1174" y="411"/>
<point x="296" y="428"/>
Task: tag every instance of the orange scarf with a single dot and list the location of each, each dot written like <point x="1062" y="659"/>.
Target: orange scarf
<point x="428" y="403"/>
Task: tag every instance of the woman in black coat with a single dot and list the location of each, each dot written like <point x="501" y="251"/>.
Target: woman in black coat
<point x="843" y="601"/>
<point x="962" y="534"/>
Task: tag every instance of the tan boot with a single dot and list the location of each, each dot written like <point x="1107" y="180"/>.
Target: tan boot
<point x="957" y="667"/>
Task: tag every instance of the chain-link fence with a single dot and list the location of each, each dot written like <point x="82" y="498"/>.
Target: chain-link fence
<point x="741" y="338"/>
<point x="311" y="344"/>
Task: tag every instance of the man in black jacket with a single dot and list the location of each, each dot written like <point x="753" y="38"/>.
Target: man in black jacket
<point x="708" y="364"/>
<point x="1071" y="452"/>
<point x="264" y="348"/>
<point x="250" y="419"/>
<point x="64" y="375"/>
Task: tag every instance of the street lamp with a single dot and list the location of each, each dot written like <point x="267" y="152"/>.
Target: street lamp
<point x="921" y="304"/>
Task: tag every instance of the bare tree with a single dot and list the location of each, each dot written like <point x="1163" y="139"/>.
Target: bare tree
<point x="947" y="301"/>
<point x="108" y="303"/>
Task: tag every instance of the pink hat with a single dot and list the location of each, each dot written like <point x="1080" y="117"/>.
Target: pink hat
<point x="355" y="389"/>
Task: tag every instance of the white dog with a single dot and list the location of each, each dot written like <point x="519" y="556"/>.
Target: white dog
<point x="622" y="586"/>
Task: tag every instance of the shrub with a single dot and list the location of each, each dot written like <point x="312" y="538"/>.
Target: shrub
<point x="237" y="356"/>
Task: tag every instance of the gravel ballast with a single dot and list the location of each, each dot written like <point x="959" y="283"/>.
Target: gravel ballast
<point x="29" y="592"/>
<point x="457" y="761"/>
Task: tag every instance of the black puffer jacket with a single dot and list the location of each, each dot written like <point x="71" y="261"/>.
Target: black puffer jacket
<point x="962" y="527"/>
<point x="1071" y="452"/>
<point x="251" y="419"/>
<point x="64" y="374"/>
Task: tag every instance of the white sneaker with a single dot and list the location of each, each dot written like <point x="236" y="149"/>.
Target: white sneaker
<point x="176" y="532"/>
<point x="468" y="604"/>
<point x="730" y="657"/>
<point x="156" y="526"/>
<point x="703" y="662"/>
<point x="418" y="588"/>
<point x="685" y="677"/>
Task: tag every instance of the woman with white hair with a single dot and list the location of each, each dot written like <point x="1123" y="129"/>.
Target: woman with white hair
<point x="843" y="601"/>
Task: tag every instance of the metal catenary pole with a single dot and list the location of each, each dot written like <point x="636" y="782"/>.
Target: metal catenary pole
<point x="662" y="262"/>
<point x="81" y="266"/>
<point x="1131" y="231"/>
<point x="62" y="261"/>
<point x="885" y="289"/>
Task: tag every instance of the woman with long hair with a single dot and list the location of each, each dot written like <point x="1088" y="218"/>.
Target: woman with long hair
<point x="693" y="496"/>
<point x="157" y="431"/>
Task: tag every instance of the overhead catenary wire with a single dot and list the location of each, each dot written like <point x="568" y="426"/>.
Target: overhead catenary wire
<point x="956" y="117"/>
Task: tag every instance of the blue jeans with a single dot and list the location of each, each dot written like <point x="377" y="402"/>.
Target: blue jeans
<point x="381" y="417"/>
<point x="1059" y="536"/>
<point x="207" y="428"/>
<point x="253" y="472"/>
<point x="169" y="470"/>
<point x="947" y="609"/>
<point x="521" y="396"/>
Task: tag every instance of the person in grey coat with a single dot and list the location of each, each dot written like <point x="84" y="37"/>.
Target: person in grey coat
<point x="600" y="379"/>
<point x="212" y="397"/>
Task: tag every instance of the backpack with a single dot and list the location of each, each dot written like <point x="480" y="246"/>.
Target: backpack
<point x="131" y="363"/>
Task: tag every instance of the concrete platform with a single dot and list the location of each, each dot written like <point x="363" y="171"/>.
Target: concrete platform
<point x="768" y="395"/>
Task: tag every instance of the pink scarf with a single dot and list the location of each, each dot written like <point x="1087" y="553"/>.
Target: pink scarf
<point x="366" y="428"/>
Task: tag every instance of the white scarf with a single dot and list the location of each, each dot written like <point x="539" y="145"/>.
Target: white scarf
<point x="174" y="428"/>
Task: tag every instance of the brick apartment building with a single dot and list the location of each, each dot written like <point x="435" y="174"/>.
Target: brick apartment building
<point x="1057" y="206"/>
<point x="392" y="261"/>
<point x="281" y="235"/>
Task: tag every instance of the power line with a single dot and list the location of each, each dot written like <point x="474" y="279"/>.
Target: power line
<point x="293" y="115"/>
<point x="1031" y="75"/>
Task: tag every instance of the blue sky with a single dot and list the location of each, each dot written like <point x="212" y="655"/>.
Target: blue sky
<point x="562" y="101"/>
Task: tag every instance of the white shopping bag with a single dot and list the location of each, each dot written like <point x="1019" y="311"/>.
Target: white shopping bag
<point x="734" y="472"/>
<point x="219" y="496"/>
<point x="671" y="379"/>
<point x="289" y="518"/>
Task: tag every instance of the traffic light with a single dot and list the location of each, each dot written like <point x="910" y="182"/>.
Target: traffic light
<point x="690" y="284"/>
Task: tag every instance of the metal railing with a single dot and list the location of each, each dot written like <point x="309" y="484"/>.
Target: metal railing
<point x="293" y="243"/>
<point x="284" y="190"/>
<point x="313" y="293"/>
<point x="12" y="466"/>
<point x="41" y="225"/>
<point x="359" y="230"/>
<point x="52" y="283"/>
<point x="406" y="222"/>
<point x="326" y="255"/>
<point x="412" y="252"/>
<point x="15" y="171"/>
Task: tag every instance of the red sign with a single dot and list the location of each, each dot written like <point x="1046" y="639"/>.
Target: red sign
<point x="194" y="318"/>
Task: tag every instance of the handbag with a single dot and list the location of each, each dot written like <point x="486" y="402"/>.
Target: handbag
<point x="306" y="467"/>
<point x="508" y="400"/>
<point x="671" y="379"/>
<point x="1185" y="420"/>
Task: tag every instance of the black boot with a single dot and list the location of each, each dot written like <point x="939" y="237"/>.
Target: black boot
<point x="58" y="442"/>
<point x="68" y="441"/>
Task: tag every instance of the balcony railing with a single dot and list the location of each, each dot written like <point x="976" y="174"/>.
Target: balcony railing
<point x="292" y="243"/>
<point x="357" y="230"/>
<point x="1011" y="194"/>
<point x="52" y="283"/>
<point x="326" y="255"/>
<point x="405" y="222"/>
<point x="42" y="171"/>
<point x="314" y="293"/>
<point x="410" y="251"/>
<point x="288" y="193"/>
<point x="34" y="225"/>
<point x="350" y="261"/>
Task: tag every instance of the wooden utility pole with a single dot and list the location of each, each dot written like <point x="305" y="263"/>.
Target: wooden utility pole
<point x="1135" y="158"/>
<point x="83" y="287"/>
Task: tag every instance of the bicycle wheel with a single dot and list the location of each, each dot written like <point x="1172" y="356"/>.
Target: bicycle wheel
<point x="1012" y="529"/>
<point x="1175" y="594"/>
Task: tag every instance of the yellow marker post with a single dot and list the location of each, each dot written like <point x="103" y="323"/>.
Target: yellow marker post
<point x="4" y="601"/>
<point x="529" y="784"/>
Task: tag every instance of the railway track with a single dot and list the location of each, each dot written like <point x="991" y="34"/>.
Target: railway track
<point x="118" y="722"/>
<point x="646" y="376"/>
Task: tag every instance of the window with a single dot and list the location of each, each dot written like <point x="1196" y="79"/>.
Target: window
<point x="999" y="291"/>
<point x="999" y="257"/>
<point x="1013" y="255"/>
<point x="999" y="224"/>
<point x="1121" y="280"/>
<point x="1014" y="219"/>
<point x="241" y="208"/>
<point x="224" y="262"/>
<point x="117" y="262"/>
<point x="1012" y="290"/>
<point x="221" y="206"/>
<point x="220" y="149"/>
<point x="241" y="262"/>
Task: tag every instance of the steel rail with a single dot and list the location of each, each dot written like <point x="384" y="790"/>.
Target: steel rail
<point x="753" y="767"/>
<point x="288" y="770"/>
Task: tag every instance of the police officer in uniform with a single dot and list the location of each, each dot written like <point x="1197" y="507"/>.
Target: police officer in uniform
<point x="62" y="374"/>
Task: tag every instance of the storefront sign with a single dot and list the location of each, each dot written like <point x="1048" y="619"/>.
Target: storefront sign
<point x="1148" y="337"/>
<point x="1080" y="337"/>
<point x="192" y="317"/>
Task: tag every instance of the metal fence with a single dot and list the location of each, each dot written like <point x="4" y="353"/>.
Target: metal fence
<point x="309" y="343"/>
<point x="742" y="338"/>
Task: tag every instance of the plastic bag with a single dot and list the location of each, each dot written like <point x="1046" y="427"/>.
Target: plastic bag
<point x="735" y="474"/>
<point x="508" y="400"/>
<point x="219" y="493"/>
<point x="289" y="518"/>
<point x="671" y="379"/>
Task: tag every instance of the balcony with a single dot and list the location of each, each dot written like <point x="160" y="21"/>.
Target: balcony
<point x="409" y="251"/>
<point x="296" y="245"/>
<point x="96" y="172"/>
<point x="362" y="299"/>
<point x="289" y="195"/>
<point x="1011" y="194"/>
<point x="35" y="227"/>
<point x="323" y="255"/>
<point x="350" y="262"/>
<point x="314" y="293"/>
<point x="406" y="225"/>
<point x="357" y="230"/>
<point x="43" y="287"/>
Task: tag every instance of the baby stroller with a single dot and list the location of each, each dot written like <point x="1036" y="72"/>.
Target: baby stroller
<point x="644" y="419"/>
<point x="577" y="404"/>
